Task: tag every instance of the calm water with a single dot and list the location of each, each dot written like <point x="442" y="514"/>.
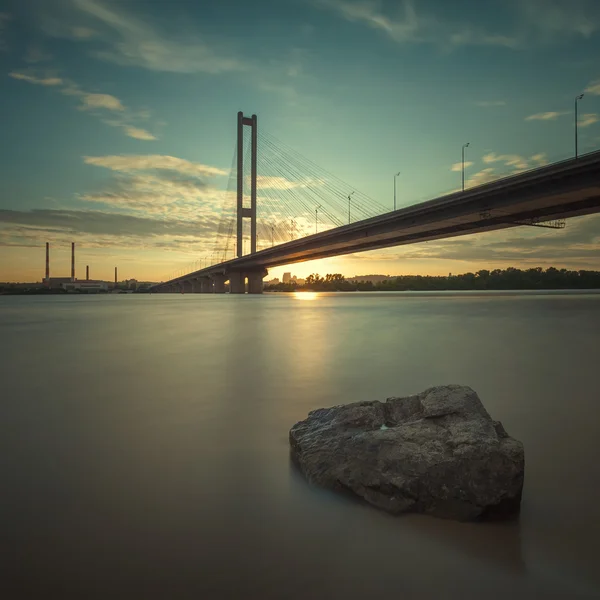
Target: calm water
<point x="144" y="450"/>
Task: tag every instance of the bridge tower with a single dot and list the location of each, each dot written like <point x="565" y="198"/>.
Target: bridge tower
<point x="242" y="211"/>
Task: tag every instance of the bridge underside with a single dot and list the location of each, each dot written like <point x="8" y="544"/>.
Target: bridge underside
<point x="556" y="192"/>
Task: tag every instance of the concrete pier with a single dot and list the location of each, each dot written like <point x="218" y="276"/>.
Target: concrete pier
<point x="255" y="282"/>
<point x="237" y="283"/>
<point x="219" y="284"/>
<point x="206" y="285"/>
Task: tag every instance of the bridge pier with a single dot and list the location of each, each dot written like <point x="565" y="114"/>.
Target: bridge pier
<point x="187" y="287"/>
<point x="255" y="282"/>
<point x="237" y="283"/>
<point x="206" y="285"/>
<point x="219" y="283"/>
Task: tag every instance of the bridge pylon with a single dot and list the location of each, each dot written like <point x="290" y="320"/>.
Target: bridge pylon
<point x="242" y="211"/>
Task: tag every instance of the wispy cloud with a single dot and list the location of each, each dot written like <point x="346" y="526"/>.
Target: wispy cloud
<point x="457" y="167"/>
<point x="82" y="33"/>
<point x="158" y="185"/>
<point x="516" y="161"/>
<point x="139" y="134"/>
<point x="512" y="164"/>
<point x="593" y="88"/>
<point x="106" y="101"/>
<point x="588" y="119"/>
<point x="35" y="54"/>
<point x="130" y="41"/>
<point x="406" y="25"/>
<point x="153" y="201"/>
<point x="484" y="176"/>
<point x="536" y="21"/>
<point x="510" y="160"/>
<point x="128" y="163"/>
<point x="98" y="229"/>
<point x="553" y="20"/>
<point x="95" y="103"/>
<point x="490" y="103"/>
<point x="545" y="116"/>
<point x="47" y="81"/>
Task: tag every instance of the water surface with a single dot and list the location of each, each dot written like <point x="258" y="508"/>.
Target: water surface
<point x="144" y="450"/>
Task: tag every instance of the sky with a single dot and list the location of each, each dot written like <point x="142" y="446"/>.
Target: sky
<point x="118" y="121"/>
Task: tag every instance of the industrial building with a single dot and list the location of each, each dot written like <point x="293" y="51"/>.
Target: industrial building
<point x="71" y="284"/>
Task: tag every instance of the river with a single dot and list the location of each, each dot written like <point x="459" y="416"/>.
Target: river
<point x="144" y="444"/>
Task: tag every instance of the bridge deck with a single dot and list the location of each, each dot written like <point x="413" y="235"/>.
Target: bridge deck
<point x="567" y="189"/>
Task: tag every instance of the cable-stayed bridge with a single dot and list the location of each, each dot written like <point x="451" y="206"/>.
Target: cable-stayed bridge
<point x="280" y="208"/>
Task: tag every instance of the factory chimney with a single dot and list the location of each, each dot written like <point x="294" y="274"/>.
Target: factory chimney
<point x="115" y="276"/>
<point x="73" y="261"/>
<point x="87" y="272"/>
<point x="47" y="261"/>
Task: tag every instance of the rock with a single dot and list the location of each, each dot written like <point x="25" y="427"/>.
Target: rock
<point x="438" y="453"/>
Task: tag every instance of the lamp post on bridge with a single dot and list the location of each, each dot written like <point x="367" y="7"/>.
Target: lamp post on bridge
<point x="272" y="235"/>
<point x="463" y="164"/>
<point x="317" y="218"/>
<point x="349" y="207"/>
<point x="396" y="175"/>
<point x="576" y="125"/>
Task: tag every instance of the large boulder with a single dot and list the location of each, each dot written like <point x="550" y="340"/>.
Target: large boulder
<point x="438" y="453"/>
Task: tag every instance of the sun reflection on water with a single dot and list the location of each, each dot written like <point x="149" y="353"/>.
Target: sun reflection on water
<point x="305" y="295"/>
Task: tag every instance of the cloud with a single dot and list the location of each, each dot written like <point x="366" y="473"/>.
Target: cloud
<point x="514" y="162"/>
<point x="97" y="104"/>
<point x="129" y="41"/>
<point x="35" y="54"/>
<point x="98" y="229"/>
<point x="510" y="160"/>
<point x="82" y="33"/>
<point x="540" y="159"/>
<point x="488" y="103"/>
<point x="161" y="186"/>
<point x="47" y="81"/>
<point x="459" y="166"/>
<point x="545" y="116"/>
<point x="408" y="26"/>
<point x="105" y="101"/>
<point x="484" y="176"/>
<point x="553" y="20"/>
<point x="535" y="22"/>
<point x="128" y="163"/>
<point x="139" y="134"/>
<point x="588" y="119"/>
<point x="593" y="88"/>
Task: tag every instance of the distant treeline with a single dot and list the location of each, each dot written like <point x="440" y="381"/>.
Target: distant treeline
<point x="499" y="279"/>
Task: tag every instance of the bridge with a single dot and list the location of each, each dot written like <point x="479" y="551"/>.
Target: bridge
<point x="542" y="197"/>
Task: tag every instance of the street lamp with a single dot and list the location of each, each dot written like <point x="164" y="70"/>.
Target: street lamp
<point x="317" y="219"/>
<point x="396" y="175"/>
<point x="463" y="164"/>
<point x="349" y="207"/>
<point x="272" y="235"/>
<point x="292" y="227"/>
<point x="576" y="124"/>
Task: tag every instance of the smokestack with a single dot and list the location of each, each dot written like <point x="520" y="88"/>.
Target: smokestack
<point x="115" y="275"/>
<point x="73" y="261"/>
<point x="87" y="272"/>
<point x="47" y="260"/>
